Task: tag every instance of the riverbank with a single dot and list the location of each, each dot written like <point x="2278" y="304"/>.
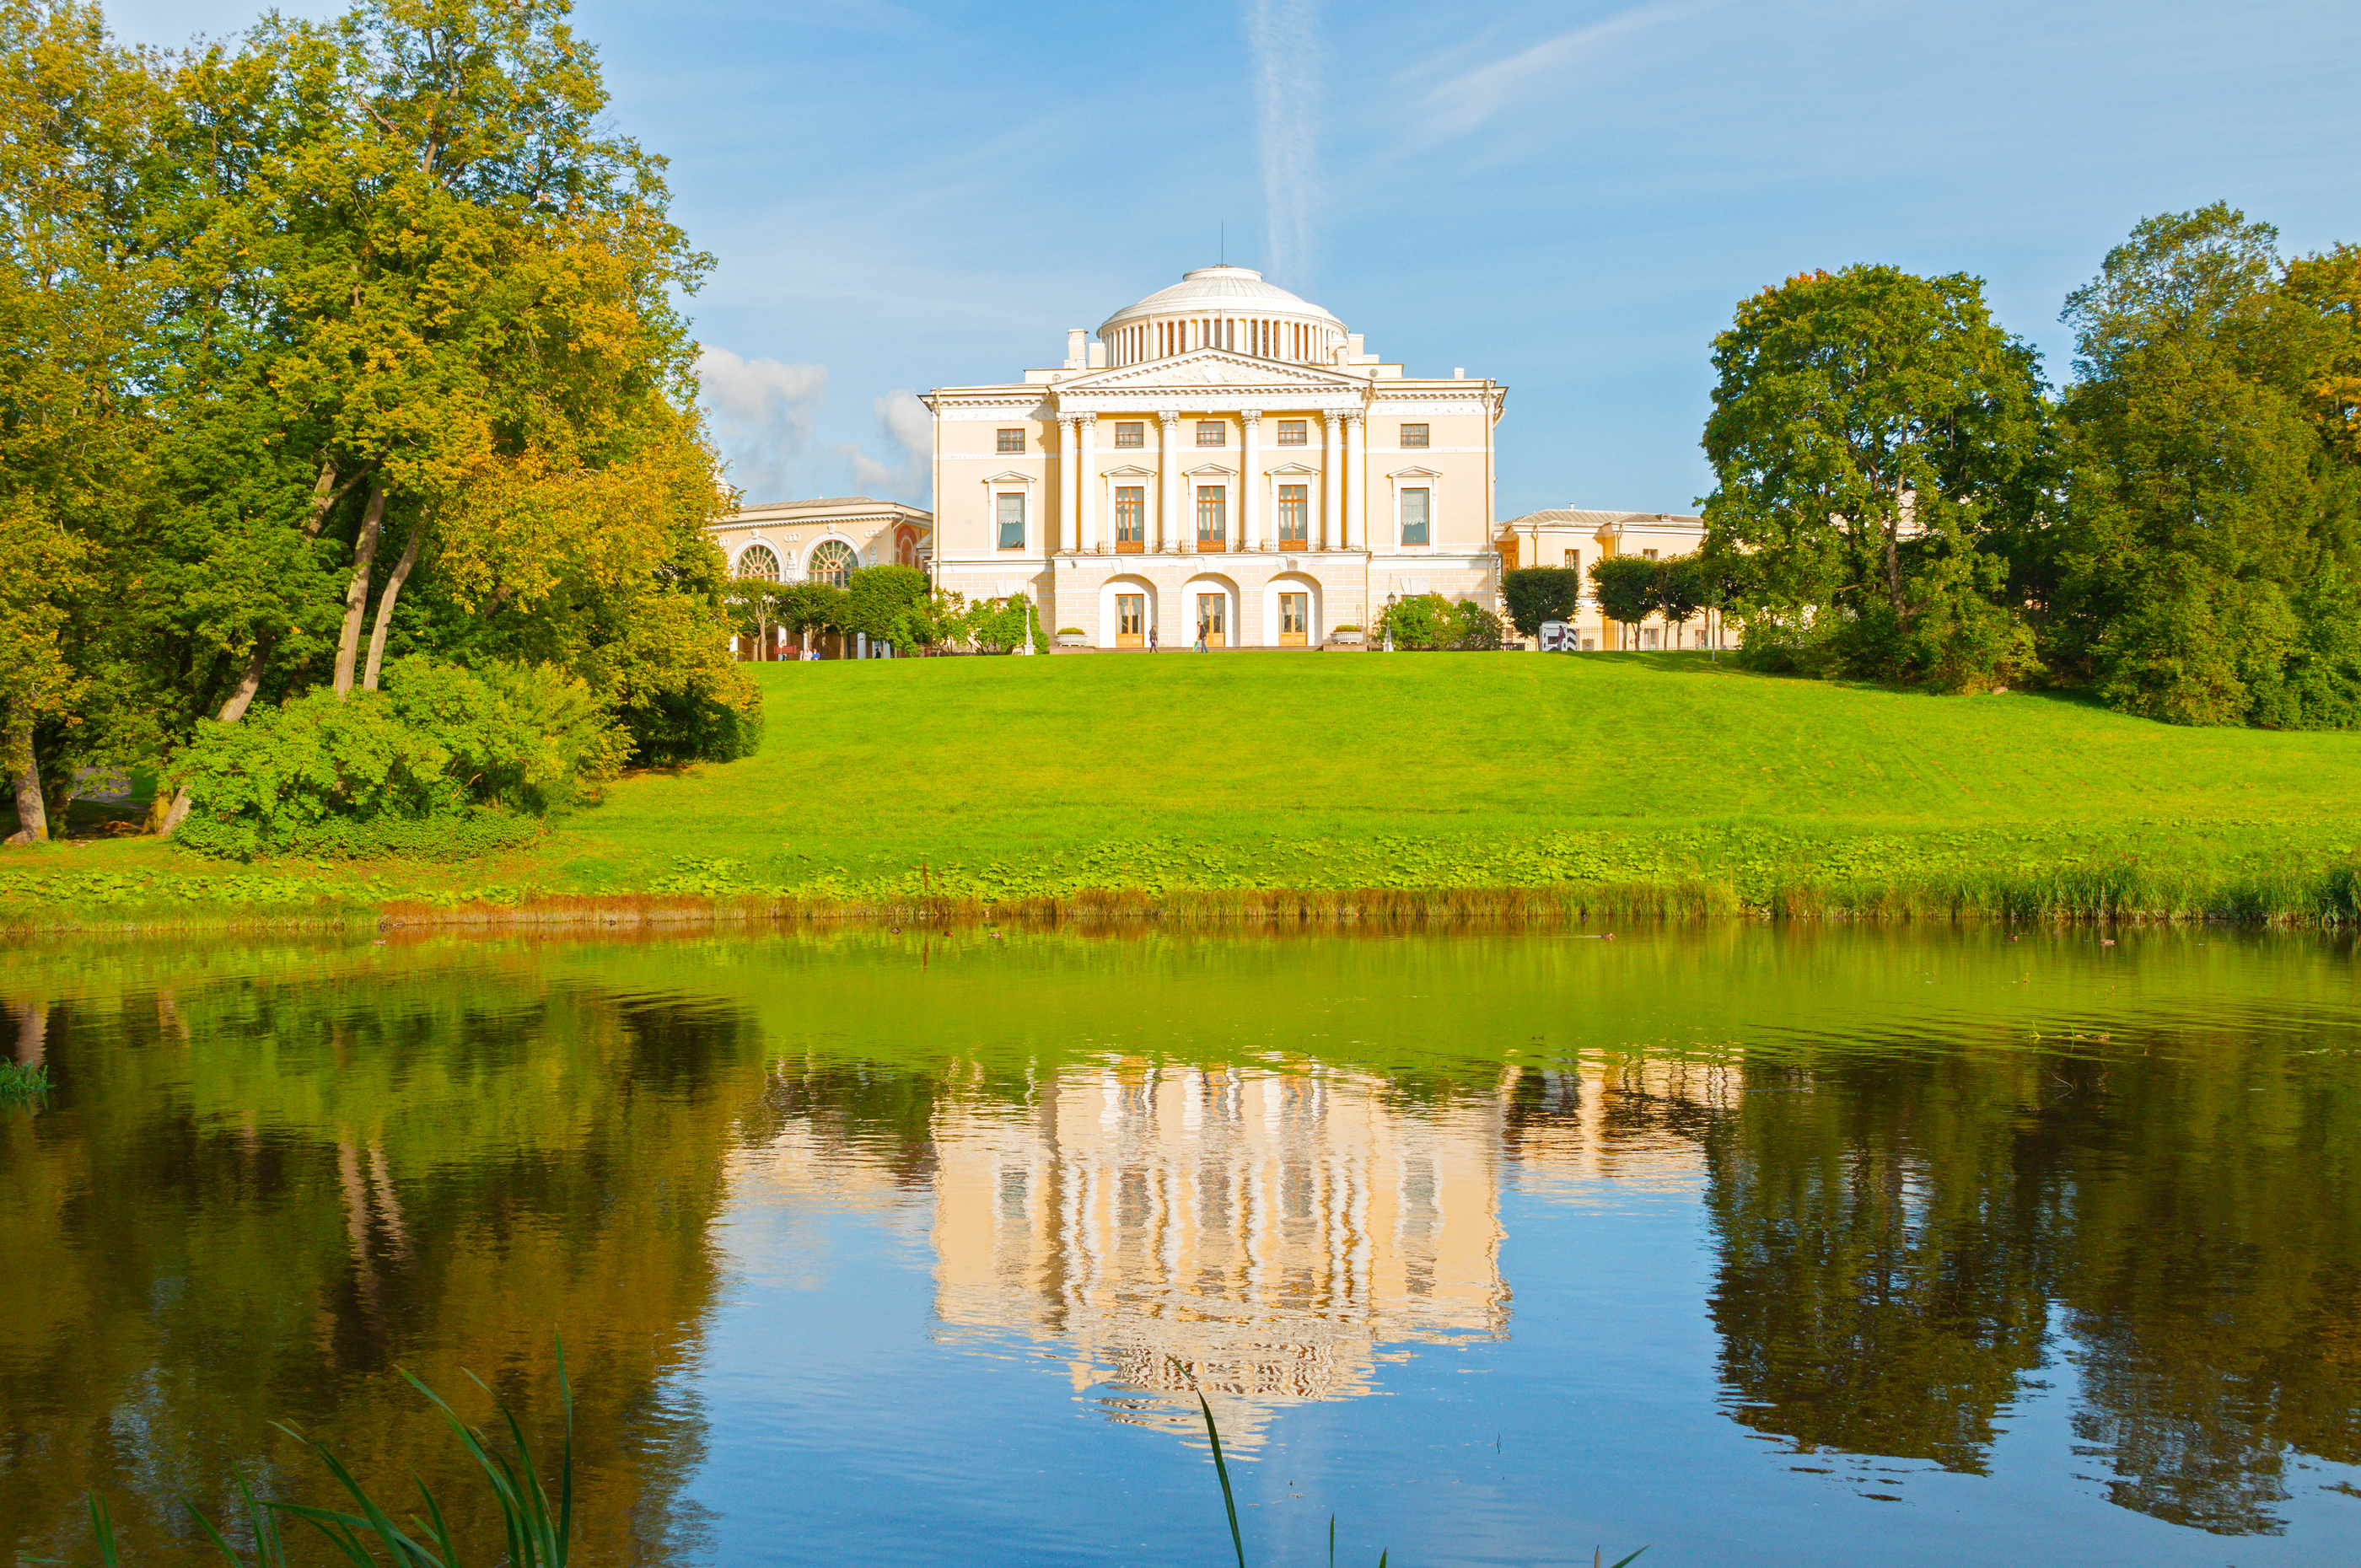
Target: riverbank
<point x="1322" y="788"/>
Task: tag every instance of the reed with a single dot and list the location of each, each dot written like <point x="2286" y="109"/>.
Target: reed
<point x="18" y="1081"/>
<point x="538" y="1533"/>
<point x="1230" y="1501"/>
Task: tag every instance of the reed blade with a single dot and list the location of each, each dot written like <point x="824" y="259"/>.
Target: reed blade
<point x="1223" y="1470"/>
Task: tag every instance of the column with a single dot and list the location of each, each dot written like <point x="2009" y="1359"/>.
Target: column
<point x="1332" y="482"/>
<point x="1356" y="485"/>
<point x="1251" y="483"/>
<point x="1168" y="477"/>
<point x="1088" y="538"/>
<point x="1070" y="474"/>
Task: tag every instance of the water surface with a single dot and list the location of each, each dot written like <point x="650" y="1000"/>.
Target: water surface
<point x="892" y="1248"/>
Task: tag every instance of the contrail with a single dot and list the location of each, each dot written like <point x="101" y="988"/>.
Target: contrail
<point x="1284" y="37"/>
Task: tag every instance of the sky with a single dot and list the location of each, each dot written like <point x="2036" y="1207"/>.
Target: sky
<point x="1568" y="198"/>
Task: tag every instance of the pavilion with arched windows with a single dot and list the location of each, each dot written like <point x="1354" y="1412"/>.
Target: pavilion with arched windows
<point x="823" y="542"/>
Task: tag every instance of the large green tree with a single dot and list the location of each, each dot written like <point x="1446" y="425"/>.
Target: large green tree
<point x="74" y="430"/>
<point x="2207" y="566"/>
<point x="1869" y="429"/>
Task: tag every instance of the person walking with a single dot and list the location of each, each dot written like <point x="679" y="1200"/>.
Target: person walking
<point x="1151" y="639"/>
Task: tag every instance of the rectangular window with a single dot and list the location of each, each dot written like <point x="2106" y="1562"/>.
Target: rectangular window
<point x="1012" y="441"/>
<point x="1415" y="515"/>
<point x="1293" y="433"/>
<point x="1413" y="436"/>
<point x="1574" y="560"/>
<point x="1647" y="554"/>
<point x="1294" y="514"/>
<point x="1130" y="621"/>
<point x="1130" y="519"/>
<point x="1213" y="520"/>
<point x="1648" y="640"/>
<point x="1131" y="433"/>
<point x="1012" y="522"/>
<point x="1212" y="432"/>
<point x="1294" y="620"/>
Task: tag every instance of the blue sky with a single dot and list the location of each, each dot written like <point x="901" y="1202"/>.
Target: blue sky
<point x="1570" y="198"/>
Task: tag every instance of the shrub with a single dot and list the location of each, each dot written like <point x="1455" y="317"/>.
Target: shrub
<point x="1432" y="621"/>
<point x="285" y="771"/>
<point x="445" y="761"/>
<point x="528" y="737"/>
<point x="1536" y="594"/>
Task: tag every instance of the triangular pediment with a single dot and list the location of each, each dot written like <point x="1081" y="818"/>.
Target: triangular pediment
<point x="1130" y="471"/>
<point x="1206" y="367"/>
<point x="1011" y="477"/>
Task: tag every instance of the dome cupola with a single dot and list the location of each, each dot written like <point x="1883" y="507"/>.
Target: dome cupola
<point x="1223" y="307"/>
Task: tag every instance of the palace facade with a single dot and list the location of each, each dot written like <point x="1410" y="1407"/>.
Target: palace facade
<point x="1225" y="464"/>
<point x="818" y="540"/>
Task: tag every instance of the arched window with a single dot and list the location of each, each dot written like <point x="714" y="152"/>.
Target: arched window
<point x="831" y="562"/>
<point x="757" y="560"/>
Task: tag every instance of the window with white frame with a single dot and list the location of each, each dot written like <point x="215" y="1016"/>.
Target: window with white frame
<point x="1416" y="515"/>
<point x="1294" y="514"/>
<point x="1011" y="521"/>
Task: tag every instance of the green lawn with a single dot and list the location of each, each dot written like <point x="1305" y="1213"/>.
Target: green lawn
<point x="1323" y="771"/>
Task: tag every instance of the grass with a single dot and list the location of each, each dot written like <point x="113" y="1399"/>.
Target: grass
<point x="18" y="1081"/>
<point x="1315" y="785"/>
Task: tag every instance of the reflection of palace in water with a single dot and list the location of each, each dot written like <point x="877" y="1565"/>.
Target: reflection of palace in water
<point x="1258" y="1236"/>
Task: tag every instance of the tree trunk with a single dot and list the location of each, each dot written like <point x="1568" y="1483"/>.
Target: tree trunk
<point x="32" y="821"/>
<point x="326" y="494"/>
<point x="348" y="641"/>
<point x="385" y="602"/>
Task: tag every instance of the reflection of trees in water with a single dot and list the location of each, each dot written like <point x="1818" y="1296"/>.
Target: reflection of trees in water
<point x="1896" y="1234"/>
<point x="251" y="1200"/>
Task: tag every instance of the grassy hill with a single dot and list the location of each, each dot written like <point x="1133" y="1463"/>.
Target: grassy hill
<point x="1012" y="777"/>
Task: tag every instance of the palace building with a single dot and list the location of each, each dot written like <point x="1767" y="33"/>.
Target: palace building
<point x="1224" y="464"/>
<point x="1579" y="538"/>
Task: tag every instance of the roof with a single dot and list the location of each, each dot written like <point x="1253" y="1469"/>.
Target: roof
<point x="1223" y="288"/>
<point x="842" y="505"/>
<point x="1576" y="517"/>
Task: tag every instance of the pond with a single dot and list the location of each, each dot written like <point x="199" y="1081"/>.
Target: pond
<point x="1845" y="1244"/>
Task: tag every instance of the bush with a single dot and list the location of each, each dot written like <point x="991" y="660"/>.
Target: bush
<point x="1432" y="622"/>
<point x="524" y="735"/>
<point x="1536" y="594"/>
<point x="443" y="761"/>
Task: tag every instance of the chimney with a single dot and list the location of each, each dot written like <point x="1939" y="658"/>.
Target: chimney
<point x="1074" y="336"/>
<point x="1098" y="355"/>
<point x="1353" y="346"/>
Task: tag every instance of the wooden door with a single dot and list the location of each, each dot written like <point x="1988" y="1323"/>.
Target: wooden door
<point x="1131" y="621"/>
<point x="1294" y="620"/>
<point x="1212" y="619"/>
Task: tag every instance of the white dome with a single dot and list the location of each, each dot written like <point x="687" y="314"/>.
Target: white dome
<point x="1222" y="290"/>
<point x="1228" y="307"/>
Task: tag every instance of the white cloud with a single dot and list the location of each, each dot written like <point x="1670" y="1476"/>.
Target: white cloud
<point x="1467" y="99"/>
<point x="907" y="471"/>
<point x="1284" y="37"/>
<point x="762" y="418"/>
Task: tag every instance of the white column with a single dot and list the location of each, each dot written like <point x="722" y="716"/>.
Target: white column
<point x="1251" y="483"/>
<point x="1356" y="488"/>
<point x="1070" y="473"/>
<point x="1167" y="478"/>
<point x="1088" y="538"/>
<point x="1332" y="482"/>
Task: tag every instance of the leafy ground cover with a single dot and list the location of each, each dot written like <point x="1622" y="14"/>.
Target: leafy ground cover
<point x="1180" y="775"/>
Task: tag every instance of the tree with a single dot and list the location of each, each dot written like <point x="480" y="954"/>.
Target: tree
<point x="880" y="602"/>
<point x="2206" y="562"/>
<point x="1626" y="588"/>
<point x="1681" y="590"/>
<point x="74" y="286"/>
<point x="806" y="607"/>
<point x="1536" y="594"/>
<point x="1868" y="426"/>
